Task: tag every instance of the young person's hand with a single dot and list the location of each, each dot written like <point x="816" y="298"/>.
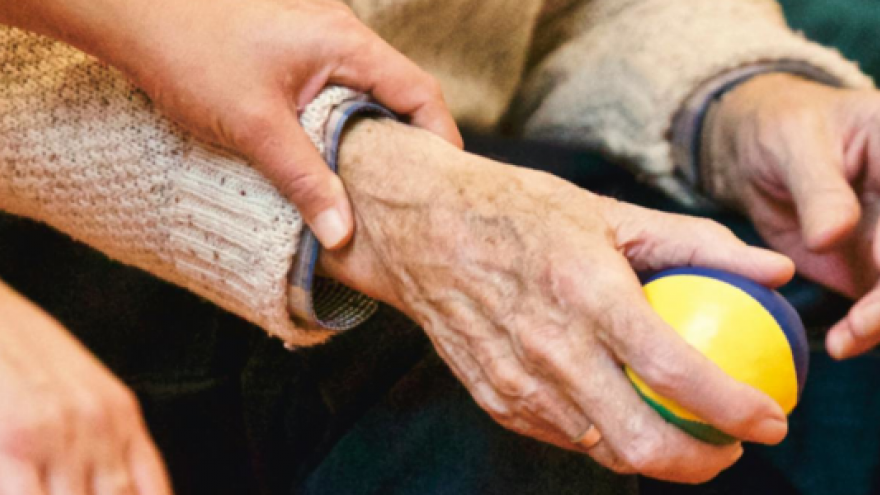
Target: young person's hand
<point x="236" y="74"/>
<point x="67" y="425"/>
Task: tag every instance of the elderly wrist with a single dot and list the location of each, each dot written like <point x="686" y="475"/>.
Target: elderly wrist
<point x="721" y="155"/>
<point x="717" y="159"/>
<point x="393" y="173"/>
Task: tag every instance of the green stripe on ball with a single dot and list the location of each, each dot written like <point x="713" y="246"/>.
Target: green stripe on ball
<point x="697" y="430"/>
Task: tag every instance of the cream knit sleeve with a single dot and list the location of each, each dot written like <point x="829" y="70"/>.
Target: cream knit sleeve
<point x="85" y="152"/>
<point x="622" y="69"/>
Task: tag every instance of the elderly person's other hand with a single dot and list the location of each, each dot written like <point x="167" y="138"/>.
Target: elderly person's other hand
<point x="236" y="73"/>
<point x="67" y="426"/>
<point x="803" y="161"/>
<point x="526" y="286"/>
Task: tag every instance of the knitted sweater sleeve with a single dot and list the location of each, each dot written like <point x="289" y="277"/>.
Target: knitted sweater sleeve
<point x="621" y="70"/>
<point x="85" y="152"/>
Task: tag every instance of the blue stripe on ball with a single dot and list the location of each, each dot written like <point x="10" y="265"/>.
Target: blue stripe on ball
<point x="783" y="312"/>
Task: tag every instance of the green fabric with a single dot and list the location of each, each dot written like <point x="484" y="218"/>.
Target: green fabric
<point x="848" y="25"/>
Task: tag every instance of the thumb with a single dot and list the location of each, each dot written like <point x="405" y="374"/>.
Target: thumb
<point x="289" y="159"/>
<point x="654" y="240"/>
<point x="826" y="204"/>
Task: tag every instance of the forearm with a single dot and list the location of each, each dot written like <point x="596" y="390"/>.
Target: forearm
<point x="85" y="152"/>
<point x="99" y="27"/>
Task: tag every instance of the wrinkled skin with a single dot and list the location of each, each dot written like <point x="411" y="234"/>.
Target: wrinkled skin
<point x="236" y="74"/>
<point x="526" y="285"/>
<point x="803" y="161"/>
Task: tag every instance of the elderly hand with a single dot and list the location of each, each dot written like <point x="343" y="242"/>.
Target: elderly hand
<point x="526" y="286"/>
<point x="803" y="161"/>
<point x="235" y="74"/>
<point x="67" y="426"/>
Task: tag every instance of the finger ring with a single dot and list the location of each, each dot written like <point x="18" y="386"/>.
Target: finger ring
<point x="589" y="438"/>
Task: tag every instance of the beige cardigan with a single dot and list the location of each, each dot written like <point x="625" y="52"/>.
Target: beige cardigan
<point x="83" y="151"/>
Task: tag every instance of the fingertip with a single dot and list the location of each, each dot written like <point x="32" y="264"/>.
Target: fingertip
<point x="441" y="123"/>
<point x="766" y="267"/>
<point x="456" y="139"/>
<point x="333" y="227"/>
<point x="737" y="453"/>
<point x="838" y="342"/>
<point x="780" y="268"/>
<point x="771" y="431"/>
<point x="856" y="333"/>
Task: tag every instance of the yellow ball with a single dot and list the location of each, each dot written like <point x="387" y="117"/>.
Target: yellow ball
<point x="749" y="331"/>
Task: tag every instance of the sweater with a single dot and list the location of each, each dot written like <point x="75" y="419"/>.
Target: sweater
<point x="84" y="151"/>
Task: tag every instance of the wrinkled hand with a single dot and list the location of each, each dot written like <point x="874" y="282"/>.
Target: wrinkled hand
<point x="526" y="286"/>
<point x="236" y="73"/>
<point x="803" y="161"/>
<point x="67" y="426"/>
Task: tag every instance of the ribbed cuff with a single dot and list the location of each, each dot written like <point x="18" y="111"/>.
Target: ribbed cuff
<point x="687" y="126"/>
<point x="317" y="301"/>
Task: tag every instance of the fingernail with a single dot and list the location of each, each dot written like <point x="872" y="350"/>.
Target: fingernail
<point x="329" y="228"/>
<point x="771" y="431"/>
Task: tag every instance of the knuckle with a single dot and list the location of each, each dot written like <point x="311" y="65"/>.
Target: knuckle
<point x="116" y="481"/>
<point x="17" y="440"/>
<point x="538" y="349"/>
<point x="619" y="465"/>
<point x="643" y="454"/>
<point x="499" y="411"/>
<point x="519" y="425"/>
<point x="22" y="432"/>
<point x="506" y="379"/>
<point x="93" y="411"/>
<point x="538" y="402"/>
<point x="554" y="411"/>
<point x="252" y="129"/>
<point x="666" y="376"/>
<point x="125" y="403"/>
<point x="489" y="401"/>
<point x="358" y="40"/>
<point x="304" y="188"/>
<point x="114" y="407"/>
